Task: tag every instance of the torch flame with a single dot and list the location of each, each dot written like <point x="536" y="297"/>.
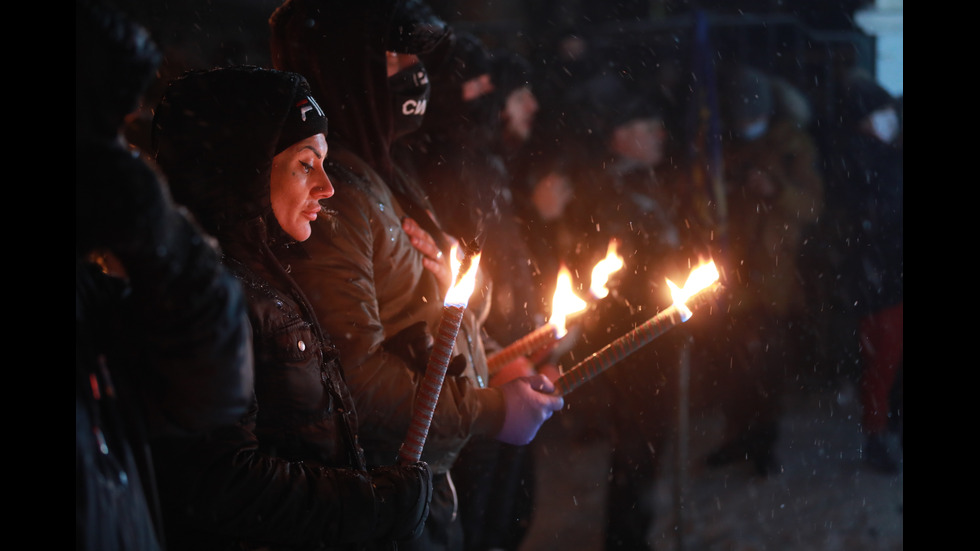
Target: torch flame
<point x="605" y="267"/>
<point x="564" y="303"/>
<point x="459" y="294"/>
<point x="699" y="279"/>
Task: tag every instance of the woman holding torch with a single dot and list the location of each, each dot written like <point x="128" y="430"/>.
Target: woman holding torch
<point x="244" y="149"/>
<point x="366" y="280"/>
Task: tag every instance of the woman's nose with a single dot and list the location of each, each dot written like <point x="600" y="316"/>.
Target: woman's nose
<point x="324" y="189"/>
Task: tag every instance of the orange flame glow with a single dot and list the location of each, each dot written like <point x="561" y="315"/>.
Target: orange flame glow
<point x="605" y="268"/>
<point x="699" y="279"/>
<point x="564" y="303"/>
<point x="460" y="293"/>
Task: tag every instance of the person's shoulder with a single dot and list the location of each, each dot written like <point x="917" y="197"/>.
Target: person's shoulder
<point x="362" y="203"/>
<point x="350" y="173"/>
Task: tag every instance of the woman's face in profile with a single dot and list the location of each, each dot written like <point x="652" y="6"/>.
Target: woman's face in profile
<point x="298" y="183"/>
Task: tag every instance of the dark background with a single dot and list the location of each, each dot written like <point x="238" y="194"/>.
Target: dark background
<point x="808" y="42"/>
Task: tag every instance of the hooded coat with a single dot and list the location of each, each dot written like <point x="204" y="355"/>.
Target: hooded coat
<point x="291" y="472"/>
<point x="161" y="350"/>
<point x="162" y="353"/>
<point x="457" y="149"/>
<point x="364" y="277"/>
<point x="870" y="201"/>
<point x="384" y="289"/>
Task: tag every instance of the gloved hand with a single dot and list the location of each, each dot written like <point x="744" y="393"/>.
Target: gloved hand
<point x="415" y="28"/>
<point x="414" y="345"/>
<point x="411" y="344"/>
<point x="403" y="494"/>
<point x="529" y="403"/>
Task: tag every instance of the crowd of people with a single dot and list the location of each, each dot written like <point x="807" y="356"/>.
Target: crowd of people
<point x="262" y="261"/>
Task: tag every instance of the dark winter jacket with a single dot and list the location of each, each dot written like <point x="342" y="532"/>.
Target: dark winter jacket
<point x="161" y="351"/>
<point x="383" y="291"/>
<point x="362" y="274"/>
<point x="303" y="419"/>
<point x="161" y="337"/>
<point x="291" y="473"/>
<point x="365" y="279"/>
<point x="873" y="208"/>
<point x="776" y="195"/>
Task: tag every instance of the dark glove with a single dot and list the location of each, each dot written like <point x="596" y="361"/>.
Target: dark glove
<point x="411" y="344"/>
<point x="529" y="403"/>
<point x="415" y="28"/>
<point x="414" y="345"/>
<point x="403" y="494"/>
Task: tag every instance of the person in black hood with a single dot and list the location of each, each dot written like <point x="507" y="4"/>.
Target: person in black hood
<point x="869" y="210"/>
<point x="244" y="149"/>
<point x="453" y="143"/>
<point x="460" y="148"/>
<point x="161" y="337"/>
<point x="775" y="197"/>
<point x="367" y="282"/>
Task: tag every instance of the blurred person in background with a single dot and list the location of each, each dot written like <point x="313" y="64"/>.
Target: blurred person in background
<point x="161" y="337"/>
<point x="461" y="147"/>
<point x="622" y="193"/>
<point x="775" y="196"/>
<point x="871" y="209"/>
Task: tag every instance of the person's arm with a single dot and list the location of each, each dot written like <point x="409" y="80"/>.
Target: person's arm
<point x="360" y="264"/>
<point x="224" y="485"/>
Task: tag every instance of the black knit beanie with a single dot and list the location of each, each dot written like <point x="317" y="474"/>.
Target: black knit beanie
<point x="509" y="71"/>
<point x="304" y="119"/>
<point x="606" y="102"/>
<point x="415" y="28"/>
<point x="216" y="132"/>
<point x="470" y="57"/>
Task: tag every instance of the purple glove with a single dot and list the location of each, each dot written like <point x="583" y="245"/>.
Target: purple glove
<point x="529" y="403"/>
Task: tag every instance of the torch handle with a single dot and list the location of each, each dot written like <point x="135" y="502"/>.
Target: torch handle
<point x="615" y="351"/>
<point x="431" y="386"/>
<point x="539" y="338"/>
<point x="629" y="343"/>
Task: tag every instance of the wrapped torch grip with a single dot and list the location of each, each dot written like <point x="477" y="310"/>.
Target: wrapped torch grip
<point x="622" y="347"/>
<point x="431" y="386"/>
<point x="615" y="351"/>
<point x="539" y="338"/>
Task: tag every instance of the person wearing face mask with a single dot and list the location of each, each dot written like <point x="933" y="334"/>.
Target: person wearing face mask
<point x="461" y="164"/>
<point x="454" y="141"/>
<point x="775" y="196"/>
<point x="870" y="210"/>
<point x="244" y="150"/>
<point x="366" y="280"/>
<point x="492" y="478"/>
<point x="408" y="81"/>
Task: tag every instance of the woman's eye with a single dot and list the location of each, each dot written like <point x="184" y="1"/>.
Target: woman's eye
<point x="307" y="168"/>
